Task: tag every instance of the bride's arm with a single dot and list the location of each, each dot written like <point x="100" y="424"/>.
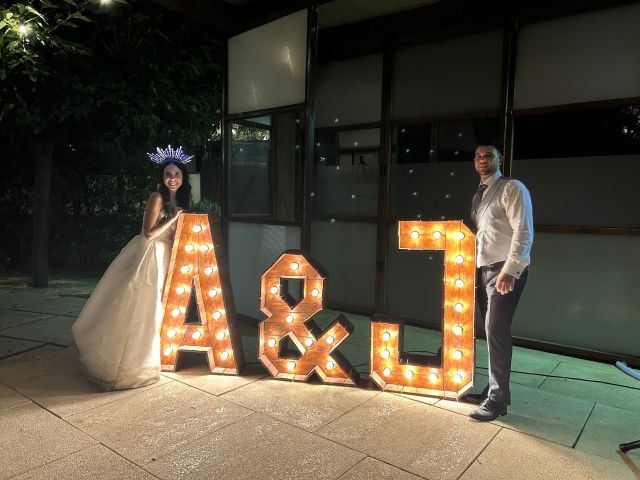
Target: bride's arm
<point x="150" y="228"/>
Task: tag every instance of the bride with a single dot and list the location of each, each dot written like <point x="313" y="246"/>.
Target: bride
<point x="117" y="331"/>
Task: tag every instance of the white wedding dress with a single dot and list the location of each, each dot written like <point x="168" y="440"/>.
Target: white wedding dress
<point x="117" y="331"/>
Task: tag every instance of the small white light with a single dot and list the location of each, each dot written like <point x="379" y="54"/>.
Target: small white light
<point x="457" y="378"/>
<point x="23" y="29"/>
<point x="208" y="270"/>
<point x="457" y="354"/>
<point x="295" y="266"/>
<point x="291" y="365"/>
<point x="330" y="365"/>
<point x="385" y="353"/>
<point x="289" y="318"/>
<point x="386" y="336"/>
<point x="217" y="314"/>
<point x="172" y="333"/>
<point x="220" y="335"/>
<point x="213" y="292"/>
<point x="271" y="342"/>
<point x="408" y="374"/>
<point x="308" y="342"/>
<point x="330" y="339"/>
<point x="185" y="269"/>
<point x="458" y="330"/>
<point x="274" y="290"/>
<point x="433" y="377"/>
<point x="386" y="372"/>
<point x="459" y="307"/>
<point x="196" y="335"/>
<point x="459" y="283"/>
<point x="197" y="228"/>
<point x="204" y="248"/>
<point x="224" y="355"/>
<point x="188" y="247"/>
<point x="459" y="259"/>
<point x="459" y="236"/>
<point x="168" y="350"/>
<point x="415" y="234"/>
<point x="175" y="312"/>
<point x="180" y="290"/>
<point x="437" y="235"/>
<point x="315" y="292"/>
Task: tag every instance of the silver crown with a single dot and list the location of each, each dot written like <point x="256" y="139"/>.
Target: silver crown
<point x="169" y="153"/>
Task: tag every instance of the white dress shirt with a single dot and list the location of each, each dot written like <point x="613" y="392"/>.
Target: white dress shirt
<point x="505" y="225"/>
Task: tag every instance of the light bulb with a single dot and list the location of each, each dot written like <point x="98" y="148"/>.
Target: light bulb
<point x="330" y="365"/>
<point x="386" y="336"/>
<point x="433" y="377"/>
<point x="213" y="292"/>
<point x="459" y="283"/>
<point x="172" y="333"/>
<point x="295" y="266"/>
<point x="308" y="342"/>
<point x="289" y="318"/>
<point x="217" y="314"/>
<point x="459" y="259"/>
<point x="204" y="248"/>
<point x="175" y="312"/>
<point x="23" y="29"/>
<point x="415" y="234"/>
<point x="180" y="290"/>
<point x="385" y="353"/>
<point x="330" y="339"/>
<point x="408" y="374"/>
<point x="459" y="307"/>
<point x="457" y="354"/>
<point x="197" y="228"/>
<point x="185" y="269"/>
<point x="196" y="335"/>
<point x="459" y="236"/>
<point x="437" y="235"/>
<point x="224" y="355"/>
<point x="315" y="292"/>
<point x="274" y="290"/>
<point x="208" y="270"/>
<point x="168" y="350"/>
<point x="220" y="335"/>
<point x="457" y="330"/>
<point x="457" y="378"/>
<point x="386" y="372"/>
<point x="291" y="365"/>
<point x="271" y="342"/>
<point x="188" y="247"/>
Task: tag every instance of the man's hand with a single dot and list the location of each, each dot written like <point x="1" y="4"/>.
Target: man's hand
<point x="505" y="283"/>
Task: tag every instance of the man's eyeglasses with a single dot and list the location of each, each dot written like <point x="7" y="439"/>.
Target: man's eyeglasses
<point x="484" y="156"/>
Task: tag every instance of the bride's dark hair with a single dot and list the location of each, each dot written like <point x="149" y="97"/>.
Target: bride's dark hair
<point x="183" y="195"/>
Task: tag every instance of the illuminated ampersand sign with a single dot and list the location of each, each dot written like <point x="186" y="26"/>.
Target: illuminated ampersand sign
<point x="454" y="376"/>
<point x="195" y="272"/>
<point x="293" y="320"/>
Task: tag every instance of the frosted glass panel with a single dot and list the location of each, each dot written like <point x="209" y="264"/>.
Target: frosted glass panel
<point x="352" y="275"/>
<point x="582" y="291"/>
<point x="252" y="249"/>
<point x="267" y="65"/>
<point x="349" y="91"/>
<point x="453" y="76"/>
<point x="588" y="191"/>
<point x="588" y="57"/>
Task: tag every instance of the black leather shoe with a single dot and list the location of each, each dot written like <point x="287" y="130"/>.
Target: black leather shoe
<point x="475" y="398"/>
<point x="489" y="410"/>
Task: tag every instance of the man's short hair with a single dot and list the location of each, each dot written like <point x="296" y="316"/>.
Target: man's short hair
<point x="488" y="142"/>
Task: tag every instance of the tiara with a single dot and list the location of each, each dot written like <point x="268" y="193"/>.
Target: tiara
<point x="169" y="153"/>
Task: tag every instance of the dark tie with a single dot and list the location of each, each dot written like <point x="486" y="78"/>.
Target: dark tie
<point x="477" y="198"/>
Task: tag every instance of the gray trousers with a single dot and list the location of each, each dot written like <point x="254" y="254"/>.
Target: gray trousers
<point x="497" y="311"/>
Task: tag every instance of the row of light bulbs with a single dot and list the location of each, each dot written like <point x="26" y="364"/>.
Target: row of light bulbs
<point x="291" y="365"/>
<point x="433" y="376"/>
<point x="415" y="234"/>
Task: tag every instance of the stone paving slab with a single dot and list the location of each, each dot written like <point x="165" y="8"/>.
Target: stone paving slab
<point x="56" y="306"/>
<point x="32" y="437"/>
<point x="11" y="318"/>
<point x="512" y="455"/>
<point x="418" y="438"/>
<point x="371" y="468"/>
<point x="257" y="447"/>
<point x="13" y="346"/>
<point x="199" y="376"/>
<point x="54" y="329"/>
<point x="35" y="363"/>
<point x="153" y="423"/>
<point x="9" y="398"/>
<point x="304" y="405"/>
